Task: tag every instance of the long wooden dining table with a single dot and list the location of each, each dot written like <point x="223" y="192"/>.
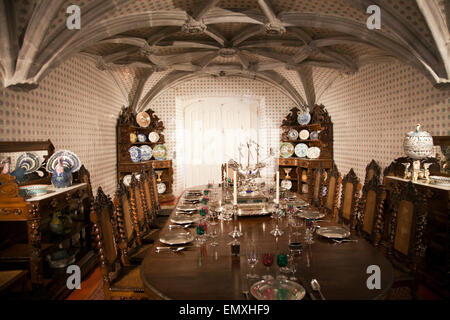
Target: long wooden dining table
<point x="212" y="273"/>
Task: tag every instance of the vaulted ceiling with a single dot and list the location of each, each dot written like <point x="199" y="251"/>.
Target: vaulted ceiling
<point x="299" y="46"/>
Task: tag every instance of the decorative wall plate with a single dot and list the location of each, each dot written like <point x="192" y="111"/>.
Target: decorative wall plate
<point x="292" y="134"/>
<point x="286" y="149"/>
<point x="304" y="134"/>
<point x="143" y="119"/>
<point x="314" y="135"/>
<point x="142" y="137"/>
<point x="146" y="152"/>
<point x="29" y="161"/>
<point x="286" y="184"/>
<point x="135" y="154"/>
<point x="300" y="150"/>
<point x="160" y="152"/>
<point x="304" y="118"/>
<point x="313" y="153"/>
<point x="69" y="159"/>
<point x="153" y="137"/>
<point x="161" y="187"/>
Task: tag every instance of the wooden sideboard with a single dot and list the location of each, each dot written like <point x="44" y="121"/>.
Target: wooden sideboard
<point x="436" y="267"/>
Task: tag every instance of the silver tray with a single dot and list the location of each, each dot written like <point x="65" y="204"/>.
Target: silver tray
<point x="277" y="289"/>
<point x="184" y="219"/>
<point x="174" y="238"/>
<point x="309" y="214"/>
<point x="333" y="232"/>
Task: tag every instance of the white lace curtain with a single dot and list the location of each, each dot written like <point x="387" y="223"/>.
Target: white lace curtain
<point x="214" y="128"/>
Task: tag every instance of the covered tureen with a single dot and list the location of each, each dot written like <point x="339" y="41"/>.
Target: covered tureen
<point x="418" y="144"/>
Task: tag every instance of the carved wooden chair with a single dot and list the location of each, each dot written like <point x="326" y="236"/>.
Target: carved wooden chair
<point x="118" y="279"/>
<point x="407" y="240"/>
<point x="370" y="210"/>
<point x="140" y="212"/>
<point x="349" y="199"/>
<point x="318" y="186"/>
<point x="372" y="170"/>
<point x="132" y="251"/>
<point x="329" y="198"/>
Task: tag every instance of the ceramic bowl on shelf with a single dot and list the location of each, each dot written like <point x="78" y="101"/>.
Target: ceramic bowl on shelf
<point x="292" y="134"/>
<point x="135" y="154"/>
<point x="142" y="137"/>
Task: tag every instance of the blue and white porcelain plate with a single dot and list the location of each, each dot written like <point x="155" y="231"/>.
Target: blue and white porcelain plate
<point x="304" y="118"/>
<point x="135" y="154"/>
<point x="146" y="153"/>
<point x="300" y="150"/>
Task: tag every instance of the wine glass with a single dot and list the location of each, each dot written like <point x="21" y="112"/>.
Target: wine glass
<point x="252" y="260"/>
<point x="267" y="260"/>
<point x="282" y="261"/>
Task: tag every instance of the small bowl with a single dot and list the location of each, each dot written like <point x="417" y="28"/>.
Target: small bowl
<point x="33" y="190"/>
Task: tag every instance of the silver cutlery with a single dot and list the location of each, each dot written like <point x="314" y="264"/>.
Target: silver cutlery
<point x="316" y="287"/>
<point x="177" y="249"/>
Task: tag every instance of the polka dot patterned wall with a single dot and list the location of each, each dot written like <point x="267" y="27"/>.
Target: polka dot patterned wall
<point x="374" y="109"/>
<point x="76" y="107"/>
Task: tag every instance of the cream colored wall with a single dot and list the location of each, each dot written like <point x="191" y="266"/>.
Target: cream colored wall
<point x="76" y="107"/>
<point x="374" y="109"/>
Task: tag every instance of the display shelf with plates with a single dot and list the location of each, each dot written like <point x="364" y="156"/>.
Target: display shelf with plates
<point x="141" y="146"/>
<point x="47" y="227"/>
<point x="312" y="142"/>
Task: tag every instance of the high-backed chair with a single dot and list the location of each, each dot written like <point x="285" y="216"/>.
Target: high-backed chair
<point x="318" y="185"/>
<point x="330" y="198"/>
<point x="349" y="199"/>
<point x="407" y="241"/>
<point x="132" y="251"/>
<point x="370" y="210"/>
<point x="373" y="169"/>
<point x="118" y="280"/>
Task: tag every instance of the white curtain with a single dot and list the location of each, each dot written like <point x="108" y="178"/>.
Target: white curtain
<point x="214" y="128"/>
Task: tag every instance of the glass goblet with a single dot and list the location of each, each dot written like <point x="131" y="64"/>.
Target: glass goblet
<point x="267" y="260"/>
<point x="252" y="260"/>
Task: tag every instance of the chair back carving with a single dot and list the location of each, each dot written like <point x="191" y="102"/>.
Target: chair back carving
<point x="318" y="183"/>
<point x="349" y="198"/>
<point x="372" y="170"/>
<point x="408" y="221"/>
<point x="370" y="212"/>
<point x="106" y="235"/>
<point x="329" y="198"/>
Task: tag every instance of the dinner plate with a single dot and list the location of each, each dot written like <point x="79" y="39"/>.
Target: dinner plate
<point x="313" y="153"/>
<point x="143" y="119"/>
<point x="310" y="214"/>
<point x="286" y="184"/>
<point x="161" y="187"/>
<point x="185" y="219"/>
<point x="300" y="150"/>
<point x="333" y="232"/>
<point x="304" y="118"/>
<point x="292" y="134"/>
<point x="304" y="134"/>
<point x="174" y="238"/>
<point x="277" y="289"/>
<point x="153" y="137"/>
<point x="286" y="149"/>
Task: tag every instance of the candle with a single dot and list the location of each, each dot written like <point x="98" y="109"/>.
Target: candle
<point x="235" y="187"/>
<point x="277" y="198"/>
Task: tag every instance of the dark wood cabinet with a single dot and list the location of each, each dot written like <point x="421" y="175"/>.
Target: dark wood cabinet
<point x="127" y="125"/>
<point x="26" y="239"/>
<point x="436" y="265"/>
